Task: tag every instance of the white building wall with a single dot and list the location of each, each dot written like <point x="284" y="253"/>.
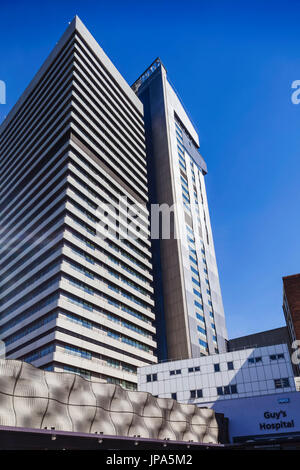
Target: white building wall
<point x="254" y="374"/>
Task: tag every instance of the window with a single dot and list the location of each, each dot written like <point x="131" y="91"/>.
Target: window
<point x="78" y="352"/>
<point x="202" y="343"/>
<point x="196" y="394"/>
<point x="275" y="357"/>
<point x="227" y="390"/>
<point x="187" y="199"/>
<point x="194" y="369"/>
<point x="217" y="367"/>
<point x="152" y="378"/>
<point x="175" y="372"/>
<point x="197" y="293"/>
<point x="282" y="383"/>
<point x="254" y="360"/>
<point x="200" y="317"/>
<point x="197" y="304"/>
<point x="201" y="330"/>
<point x="230" y="365"/>
<point x="75" y="370"/>
<point x="195" y="271"/>
<point x="174" y="396"/>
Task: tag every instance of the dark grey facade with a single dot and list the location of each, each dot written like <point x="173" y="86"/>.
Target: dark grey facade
<point x="263" y="338"/>
<point x="190" y="318"/>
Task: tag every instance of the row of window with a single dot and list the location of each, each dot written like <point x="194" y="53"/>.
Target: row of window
<point x="110" y="362"/>
<point x="112" y="334"/>
<point x="193" y="394"/>
<point x="191" y="237"/>
<point x="129" y="209"/>
<point x="115" y="274"/>
<point x="111" y="317"/>
<point x="29" y="312"/>
<point x="197" y="293"/>
<point x="198" y="393"/>
<point x="31" y="266"/>
<point x="229" y="366"/>
<point x="100" y="178"/>
<point x="31" y="295"/>
<point x="92" y="291"/>
<point x="29" y="282"/>
<point x="227" y="390"/>
<point x="139" y="236"/>
<point x="112" y="258"/>
<point x="111" y="301"/>
<point x="93" y="232"/>
<point x="153" y="377"/>
<point x="258" y="359"/>
<point x="230" y="389"/>
<point x="29" y="329"/>
<point x="30" y="247"/>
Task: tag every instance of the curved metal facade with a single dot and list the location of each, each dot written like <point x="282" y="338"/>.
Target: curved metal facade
<point x="34" y="398"/>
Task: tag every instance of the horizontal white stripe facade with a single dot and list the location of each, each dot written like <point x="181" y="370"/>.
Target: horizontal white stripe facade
<point x="69" y="300"/>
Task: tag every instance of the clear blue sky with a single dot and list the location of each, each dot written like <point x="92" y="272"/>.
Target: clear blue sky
<point x="233" y="64"/>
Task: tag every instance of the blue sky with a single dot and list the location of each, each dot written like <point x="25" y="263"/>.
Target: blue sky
<point x="232" y="64"/>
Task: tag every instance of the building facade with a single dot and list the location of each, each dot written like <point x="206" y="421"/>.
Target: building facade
<point x="291" y="305"/>
<point x="270" y="418"/>
<point x="38" y="399"/>
<point x="238" y="374"/>
<point x="254" y="388"/>
<point x="190" y="318"/>
<point x="263" y="338"/>
<point x="72" y="300"/>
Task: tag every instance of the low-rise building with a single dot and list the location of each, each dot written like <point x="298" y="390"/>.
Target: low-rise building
<point x="237" y="374"/>
<point x="243" y="384"/>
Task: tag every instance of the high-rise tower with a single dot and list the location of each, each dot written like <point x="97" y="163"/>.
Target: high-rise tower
<point x="190" y="314"/>
<point x="71" y="300"/>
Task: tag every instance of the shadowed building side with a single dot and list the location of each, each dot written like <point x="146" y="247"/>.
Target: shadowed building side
<point x="191" y="317"/>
